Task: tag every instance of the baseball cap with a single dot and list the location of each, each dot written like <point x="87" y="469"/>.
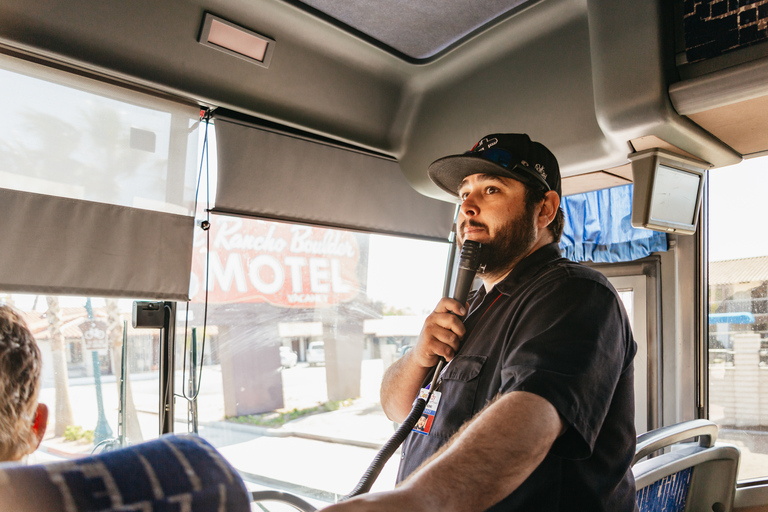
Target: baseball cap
<point x="510" y="155"/>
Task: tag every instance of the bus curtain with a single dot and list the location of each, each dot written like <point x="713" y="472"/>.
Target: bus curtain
<point x="598" y="228"/>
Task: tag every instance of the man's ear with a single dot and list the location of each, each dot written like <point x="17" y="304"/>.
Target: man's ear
<point x="549" y="208"/>
<point x="41" y="423"/>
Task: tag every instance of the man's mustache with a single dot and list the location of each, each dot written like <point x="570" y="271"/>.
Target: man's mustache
<point x="471" y="223"/>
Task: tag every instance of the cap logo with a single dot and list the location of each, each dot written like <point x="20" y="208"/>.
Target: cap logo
<point x="540" y="170"/>
<point x="485" y="143"/>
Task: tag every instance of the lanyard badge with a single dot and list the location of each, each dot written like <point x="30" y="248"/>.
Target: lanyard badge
<point x="424" y="424"/>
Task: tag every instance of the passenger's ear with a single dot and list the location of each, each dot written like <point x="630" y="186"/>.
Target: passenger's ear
<point x="41" y="423"/>
<point x="549" y="208"/>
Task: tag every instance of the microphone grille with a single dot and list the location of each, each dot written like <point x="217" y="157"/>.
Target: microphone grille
<point x="470" y="255"/>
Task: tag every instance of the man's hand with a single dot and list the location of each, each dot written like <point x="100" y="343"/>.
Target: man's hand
<point x="441" y="335"/>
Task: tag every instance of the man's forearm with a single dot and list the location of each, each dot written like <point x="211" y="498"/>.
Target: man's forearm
<point x="400" y="386"/>
<point x="488" y="459"/>
<point x="484" y="463"/>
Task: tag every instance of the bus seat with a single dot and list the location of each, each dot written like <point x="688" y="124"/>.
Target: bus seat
<point x="169" y="473"/>
<point x="691" y="476"/>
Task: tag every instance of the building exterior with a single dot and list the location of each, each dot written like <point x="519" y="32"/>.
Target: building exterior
<point x="738" y="342"/>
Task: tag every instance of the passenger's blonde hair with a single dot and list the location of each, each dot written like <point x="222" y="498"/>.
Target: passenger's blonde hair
<point x="20" y="366"/>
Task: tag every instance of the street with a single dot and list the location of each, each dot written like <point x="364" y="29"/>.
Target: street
<point x="303" y="387"/>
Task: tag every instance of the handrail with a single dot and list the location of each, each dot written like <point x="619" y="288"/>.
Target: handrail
<point x="660" y="438"/>
<point x="283" y="497"/>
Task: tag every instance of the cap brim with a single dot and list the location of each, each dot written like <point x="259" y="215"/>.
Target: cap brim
<point x="448" y="172"/>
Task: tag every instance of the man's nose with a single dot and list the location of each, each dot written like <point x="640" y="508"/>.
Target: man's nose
<point x="469" y="206"/>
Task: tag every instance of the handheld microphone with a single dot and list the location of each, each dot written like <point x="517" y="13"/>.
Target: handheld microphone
<point x="469" y="262"/>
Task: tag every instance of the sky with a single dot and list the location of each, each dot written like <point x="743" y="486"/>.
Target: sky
<point x="406" y="273"/>
<point x="738" y="210"/>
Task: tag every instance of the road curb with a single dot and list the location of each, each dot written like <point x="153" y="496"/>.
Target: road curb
<point x="61" y="453"/>
<point x="282" y="432"/>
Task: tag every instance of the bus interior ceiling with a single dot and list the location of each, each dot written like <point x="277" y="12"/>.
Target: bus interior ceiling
<point x="595" y="80"/>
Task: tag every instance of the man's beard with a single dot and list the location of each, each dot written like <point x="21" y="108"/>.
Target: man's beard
<point x="512" y="242"/>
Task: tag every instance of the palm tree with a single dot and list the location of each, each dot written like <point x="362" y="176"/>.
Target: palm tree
<point x="58" y="348"/>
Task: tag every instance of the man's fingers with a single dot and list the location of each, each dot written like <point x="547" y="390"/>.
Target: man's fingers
<point x="441" y="335"/>
<point x="448" y="305"/>
<point x="445" y="351"/>
<point x="448" y="329"/>
<point x="448" y="322"/>
<point x="429" y="349"/>
<point x="434" y="348"/>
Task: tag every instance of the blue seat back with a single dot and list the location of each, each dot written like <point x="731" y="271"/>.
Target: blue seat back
<point x="691" y="476"/>
<point x="169" y="474"/>
<point x="670" y="494"/>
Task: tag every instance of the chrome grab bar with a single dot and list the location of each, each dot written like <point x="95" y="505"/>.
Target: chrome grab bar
<point x="660" y="438"/>
<point x="282" y="497"/>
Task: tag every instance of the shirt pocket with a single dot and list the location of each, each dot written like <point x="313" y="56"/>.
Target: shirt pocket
<point x="458" y="394"/>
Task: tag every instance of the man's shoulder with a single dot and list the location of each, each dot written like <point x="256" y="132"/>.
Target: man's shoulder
<point x="569" y="279"/>
<point x="546" y="269"/>
<point x="565" y="270"/>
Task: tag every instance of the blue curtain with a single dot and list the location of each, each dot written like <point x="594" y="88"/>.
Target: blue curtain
<point x="598" y="228"/>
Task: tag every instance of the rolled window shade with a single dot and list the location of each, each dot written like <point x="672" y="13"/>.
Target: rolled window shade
<point x="70" y="136"/>
<point x="272" y="175"/>
<point x="55" y="246"/>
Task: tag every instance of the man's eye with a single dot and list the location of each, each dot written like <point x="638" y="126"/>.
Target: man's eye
<point x="491" y="190"/>
<point x="463" y="195"/>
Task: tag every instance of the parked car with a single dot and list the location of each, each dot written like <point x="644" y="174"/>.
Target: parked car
<point x="288" y="357"/>
<point x="316" y="353"/>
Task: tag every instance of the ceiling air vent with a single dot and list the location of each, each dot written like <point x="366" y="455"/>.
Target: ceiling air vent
<point x="238" y="41"/>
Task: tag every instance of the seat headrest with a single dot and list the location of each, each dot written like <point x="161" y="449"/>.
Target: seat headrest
<point x="159" y="475"/>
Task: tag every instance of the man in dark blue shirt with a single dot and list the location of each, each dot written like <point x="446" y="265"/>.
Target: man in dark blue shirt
<point x="535" y="409"/>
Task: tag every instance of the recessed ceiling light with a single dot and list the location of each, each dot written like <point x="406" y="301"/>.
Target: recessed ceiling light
<point x="237" y="41"/>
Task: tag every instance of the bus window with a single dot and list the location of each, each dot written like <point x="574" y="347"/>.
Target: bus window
<point x="301" y="322"/>
<point x="89" y="152"/>
<point x="738" y="323"/>
<point x="294" y="326"/>
<point x="81" y="342"/>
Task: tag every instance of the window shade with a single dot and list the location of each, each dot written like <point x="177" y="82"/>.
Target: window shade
<point x="55" y="245"/>
<point x="272" y="175"/>
<point x="70" y="136"/>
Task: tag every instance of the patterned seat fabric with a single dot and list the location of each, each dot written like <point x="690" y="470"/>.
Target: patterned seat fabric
<point x="669" y="494"/>
<point x="169" y="474"/>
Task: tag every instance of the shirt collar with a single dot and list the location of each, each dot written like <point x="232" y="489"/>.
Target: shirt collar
<point x="528" y="267"/>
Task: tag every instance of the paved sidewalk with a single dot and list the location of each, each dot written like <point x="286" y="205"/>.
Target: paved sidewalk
<point x="322" y="456"/>
<point x="362" y="424"/>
